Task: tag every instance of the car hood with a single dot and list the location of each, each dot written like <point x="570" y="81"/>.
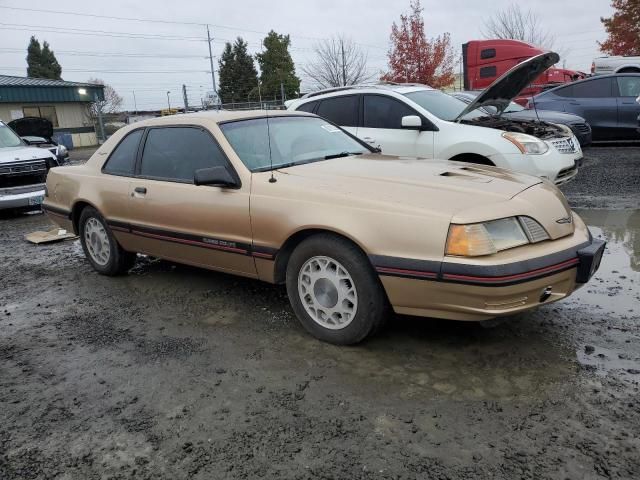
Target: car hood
<point x="501" y="92"/>
<point x="32" y="126"/>
<point x="406" y="183"/>
<point x="17" y="154"/>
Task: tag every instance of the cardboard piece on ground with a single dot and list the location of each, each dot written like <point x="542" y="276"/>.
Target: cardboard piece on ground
<point x="54" y="235"/>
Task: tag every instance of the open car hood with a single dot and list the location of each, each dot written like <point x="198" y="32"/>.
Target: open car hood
<point x="32" y="127"/>
<point x="501" y="92"/>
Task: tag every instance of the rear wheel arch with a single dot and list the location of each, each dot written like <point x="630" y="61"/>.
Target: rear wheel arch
<point x="76" y="211"/>
<point x="290" y="244"/>
<point x="629" y="70"/>
<point x="472" y="158"/>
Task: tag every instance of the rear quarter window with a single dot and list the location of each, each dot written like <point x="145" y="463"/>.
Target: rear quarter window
<point x="307" y="107"/>
<point x="122" y="160"/>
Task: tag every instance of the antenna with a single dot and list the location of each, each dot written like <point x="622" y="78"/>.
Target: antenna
<point x="272" y="179"/>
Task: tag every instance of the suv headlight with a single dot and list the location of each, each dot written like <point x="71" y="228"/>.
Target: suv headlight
<point x="527" y="143"/>
<point x="487" y="238"/>
<point x="62" y="150"/>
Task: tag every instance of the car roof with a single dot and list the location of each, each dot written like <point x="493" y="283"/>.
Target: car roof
<point x="381" y="86"/>
<point x="219" y="116"/>
<point x="588" y="79"/>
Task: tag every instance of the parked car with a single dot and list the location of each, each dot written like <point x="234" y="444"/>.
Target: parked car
<point x="293" y="199"/>
<point x="38" y="132"/>
<point x="606" y="102"/>
<point x="23" y="170"/>
<point x="578" y="125"/>
<point x="615" y="64"/>
<point x="418" y="121"/>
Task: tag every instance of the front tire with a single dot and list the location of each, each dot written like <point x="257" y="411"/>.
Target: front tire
<point x="334" y="290"/>
<point x="100" y="246"/>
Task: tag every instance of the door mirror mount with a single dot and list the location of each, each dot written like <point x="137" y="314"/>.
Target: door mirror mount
<point x="412" y="122"/>
<point x="215" y="177"/>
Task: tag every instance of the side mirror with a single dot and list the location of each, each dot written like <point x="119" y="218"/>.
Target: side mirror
<point x="216" y="177"/>
<point x="412" y="122"/>
<point x="25" y="140"/>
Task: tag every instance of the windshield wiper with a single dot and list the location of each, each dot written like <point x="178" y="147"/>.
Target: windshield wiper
<point x="341" y="154"/>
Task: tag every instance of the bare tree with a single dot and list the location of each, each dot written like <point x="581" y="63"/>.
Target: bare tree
<point x="516" y="24"/>
<point x="339" y="62"/>
<point x="111" y="103"/>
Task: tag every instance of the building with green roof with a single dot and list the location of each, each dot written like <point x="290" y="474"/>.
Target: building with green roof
<point x="64" y="104"/>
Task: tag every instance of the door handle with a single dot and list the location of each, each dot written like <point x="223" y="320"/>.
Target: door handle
<point x="369" y="140"/>
<point x="140" y="190"/>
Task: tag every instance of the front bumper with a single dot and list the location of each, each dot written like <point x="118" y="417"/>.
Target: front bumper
<point x="21" y="197"/>
<point x="460" y="291"/>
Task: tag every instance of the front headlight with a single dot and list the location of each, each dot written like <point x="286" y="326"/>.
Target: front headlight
<point x="491" y="237"/>
<point x="527" y="143"/>
<point x="62" y="150"/>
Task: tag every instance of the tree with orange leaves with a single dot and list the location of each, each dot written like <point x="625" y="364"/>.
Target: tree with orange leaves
<point x="623" y="29"/>
<point x="415" y="59"/>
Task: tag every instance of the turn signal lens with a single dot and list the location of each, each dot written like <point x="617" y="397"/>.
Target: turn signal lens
<point x="469" y="241"/>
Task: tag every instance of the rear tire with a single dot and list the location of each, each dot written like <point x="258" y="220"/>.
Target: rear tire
<point x="334" y="290"/>
<point x="100" y="246"/>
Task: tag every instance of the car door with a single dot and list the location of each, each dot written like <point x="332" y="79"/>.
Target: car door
<point x="174" y="219"/>
<point x="115" y="184"/>
<point x="594" y="100"/>
<point x="628" y="89"/>
<point x="341" y="110"/>
<point x="382" y="127"/>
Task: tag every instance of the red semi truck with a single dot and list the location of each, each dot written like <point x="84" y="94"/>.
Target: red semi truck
<point x="484" y="61"/>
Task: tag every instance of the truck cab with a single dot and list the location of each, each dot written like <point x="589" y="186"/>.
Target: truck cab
<point x="486" y="60"/>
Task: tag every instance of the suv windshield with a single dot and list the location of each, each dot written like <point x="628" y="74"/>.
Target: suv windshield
<point x="294" y="141"/>
<point x="8" y="138"/>
<point x="442" y="105"/>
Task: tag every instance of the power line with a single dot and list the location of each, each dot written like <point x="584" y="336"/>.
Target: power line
<point x="98" y="33"/>
<point x="172" y="22"/>
<point x="118" y="71"/>
<point x="107" y="54"/>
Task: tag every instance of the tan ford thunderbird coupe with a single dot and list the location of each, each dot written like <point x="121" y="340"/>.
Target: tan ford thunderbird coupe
<point x="290" y="198"/>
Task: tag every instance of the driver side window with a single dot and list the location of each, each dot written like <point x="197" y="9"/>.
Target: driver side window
<point x="175" y="153"/>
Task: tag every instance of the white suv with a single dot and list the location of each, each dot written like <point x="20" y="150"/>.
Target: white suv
<point x="418" y="121"/>
<point x="23" y="171"/>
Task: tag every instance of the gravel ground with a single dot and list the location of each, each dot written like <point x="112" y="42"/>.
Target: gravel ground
<point x="609" y="178"/>
<point x="174" y="372"/>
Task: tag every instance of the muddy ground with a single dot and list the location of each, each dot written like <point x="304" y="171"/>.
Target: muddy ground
<point x="173" y="372"/>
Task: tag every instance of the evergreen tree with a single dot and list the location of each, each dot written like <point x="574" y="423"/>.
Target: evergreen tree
<point x="276" y="67"/>
<point x="41" y="62"/>
<point x="237" y="73"/>
<point x="226" y="74"/>
<point x="34" y="58"/>
<point x="50" y="63"/>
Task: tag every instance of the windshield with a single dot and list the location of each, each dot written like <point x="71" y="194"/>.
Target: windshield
<point x="8" y="138"/>
<point x="294" y="140"/>
<point x="511" y="108"/>
<point x="442" y="105"/>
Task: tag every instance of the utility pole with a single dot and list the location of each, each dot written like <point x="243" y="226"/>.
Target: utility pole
<point x="135" y="104"/>
<point x="344" y="68"/>
<point x="169" y="102"/>
<point x="213" y="73"/>
<point x="186" y="100"/>
<point x="282" y="92"/>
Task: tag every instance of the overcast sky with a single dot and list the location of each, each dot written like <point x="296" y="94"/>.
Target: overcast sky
<point x="176" y="54"/>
